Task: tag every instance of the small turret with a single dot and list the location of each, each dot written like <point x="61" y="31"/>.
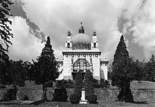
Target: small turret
<point x="69" y="33"/>
<point x="94" y="41"/>
<point x="68" y="43"/>
<point x="94" y="33"/>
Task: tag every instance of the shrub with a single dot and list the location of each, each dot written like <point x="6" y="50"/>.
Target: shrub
<point x="11" y="94"/>
<point x="64" y="83"/>
<point x="25" y="97"/>
<point x="89" y="89"/>
<point x="3" y="93"/>
<point x="104" y="83"/>
<point x="78" y="84"/>
<point x="60" y="95"/>
<point x="92" y="99"/>
<point x="75" y="98"/>
<point x="21" y="96"/>
<point x="95" y="83"/>
<point x="69" y="84"/>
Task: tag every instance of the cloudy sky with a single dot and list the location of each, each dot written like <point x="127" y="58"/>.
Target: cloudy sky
<point x="34" y="20"/>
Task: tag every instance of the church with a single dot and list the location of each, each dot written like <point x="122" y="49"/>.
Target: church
<point x="81" y="53"/>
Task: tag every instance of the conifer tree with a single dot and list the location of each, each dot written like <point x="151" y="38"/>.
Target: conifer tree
<point x="76" y="96"/>
<point x="122" y="72"/>
<point x="89" y="83"/>
<point x="46" y="67"/>
<point x="5" y="35"/>
<point x="89" y="88"/>
<point x="78" y="83"/>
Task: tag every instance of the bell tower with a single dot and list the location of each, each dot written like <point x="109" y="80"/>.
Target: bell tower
<point x="68" y="43"/>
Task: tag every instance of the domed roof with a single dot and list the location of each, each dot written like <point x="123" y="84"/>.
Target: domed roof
<point x="81" y="40"/>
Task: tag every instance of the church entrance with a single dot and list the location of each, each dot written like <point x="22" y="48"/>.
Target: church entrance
<point x="80" y="65"/>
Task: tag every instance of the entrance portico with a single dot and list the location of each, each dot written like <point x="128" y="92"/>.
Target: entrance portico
<point x="81" y="65"/>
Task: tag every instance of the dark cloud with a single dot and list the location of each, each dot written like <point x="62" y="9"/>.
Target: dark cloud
<point x="142" y="4"/>
<point x="134" y="24"/>
<point x="17" y="10"/>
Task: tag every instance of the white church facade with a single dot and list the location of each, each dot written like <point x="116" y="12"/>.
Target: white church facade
<point x="81" y="54"/>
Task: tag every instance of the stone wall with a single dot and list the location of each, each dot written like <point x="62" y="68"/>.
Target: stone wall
<point x="103" y="95"/>
<point x="142" y="95"/>
<point x="110" y="95"/>
<point x="32" y="91"/>
<point x="2" y="93"/>
<point x="32" y="94"/>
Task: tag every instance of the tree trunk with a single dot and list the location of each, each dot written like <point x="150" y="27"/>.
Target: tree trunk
<point x="44" y="97"/>
<point x="125" y="93"/>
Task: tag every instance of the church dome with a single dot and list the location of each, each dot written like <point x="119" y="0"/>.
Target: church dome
<point x="81" y="40"/>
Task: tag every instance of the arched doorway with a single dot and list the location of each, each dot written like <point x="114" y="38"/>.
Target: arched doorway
<point x="80" y="65"/>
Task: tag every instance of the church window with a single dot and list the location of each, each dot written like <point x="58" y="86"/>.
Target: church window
<point x="81" y="64"/>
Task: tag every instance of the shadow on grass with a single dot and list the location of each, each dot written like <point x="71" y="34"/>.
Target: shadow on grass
<point x="140" y="102"/>
<point x="38" y="102"/>
<point x="135" y="102"/>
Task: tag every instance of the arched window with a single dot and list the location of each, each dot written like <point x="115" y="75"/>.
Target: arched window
<point x="81" y="64"/>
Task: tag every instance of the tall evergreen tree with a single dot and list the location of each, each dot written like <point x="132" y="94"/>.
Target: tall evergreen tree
<point x="78" y="83"/>
<point x="121" y="72"/>
<point x="46" y="67"/>
<point x="5" y="31"/>
<point x="76" y="96"/>
<point x="89" y="84"/>
<point x="5" y="35"/>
